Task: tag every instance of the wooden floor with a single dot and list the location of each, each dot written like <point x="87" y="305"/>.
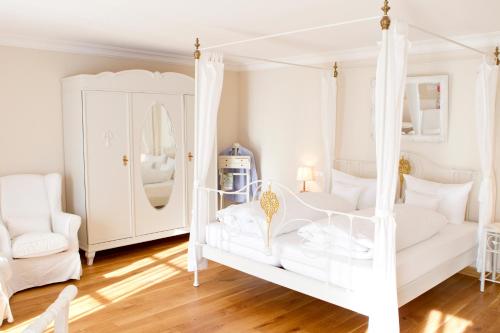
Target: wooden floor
<point x="146" y="288"/>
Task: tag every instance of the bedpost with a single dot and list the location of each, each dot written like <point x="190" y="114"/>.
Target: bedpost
<point x="196" y="56"/>
<point x="385" y="22"/>
<point x="497" y="56"/>
<point x="335" y="72"/>
<point x="197" y="52"/>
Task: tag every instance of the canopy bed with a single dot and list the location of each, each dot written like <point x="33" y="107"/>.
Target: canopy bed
<point x="356" y="268"/>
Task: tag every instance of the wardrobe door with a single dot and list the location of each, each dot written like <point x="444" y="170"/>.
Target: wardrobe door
<point x="159" y="163"/>
<point x="108" y="179"/>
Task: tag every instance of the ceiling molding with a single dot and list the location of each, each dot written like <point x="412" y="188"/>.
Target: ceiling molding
<point x="94" y="49"/>
<point x="479" y="41"/>
<point x="485" y="42"/>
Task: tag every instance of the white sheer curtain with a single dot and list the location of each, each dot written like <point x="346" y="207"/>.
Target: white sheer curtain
<point x="209" y="78"/>
<point x="328" y="123"/>
<point x="389" y="93"/>
<point x="486" y="89"/>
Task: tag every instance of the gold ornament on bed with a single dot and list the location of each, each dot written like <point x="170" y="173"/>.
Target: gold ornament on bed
<point x="404" y="169"/>
<point x="270" y="204"/>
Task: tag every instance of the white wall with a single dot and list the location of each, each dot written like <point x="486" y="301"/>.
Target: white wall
<point x="31" y="134"/>
<point x="279" y="121"/>
<point x="279" y="116"/>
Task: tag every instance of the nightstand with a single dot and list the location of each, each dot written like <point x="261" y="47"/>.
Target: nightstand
<point x="491" y="251"/>
<point x="237" y="166"/>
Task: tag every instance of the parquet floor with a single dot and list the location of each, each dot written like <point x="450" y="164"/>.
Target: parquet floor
<point x="145" y="288"/>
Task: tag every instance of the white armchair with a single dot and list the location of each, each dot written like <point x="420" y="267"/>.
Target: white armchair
<point x="58" y="312"/>
<point x="40" y="240"/>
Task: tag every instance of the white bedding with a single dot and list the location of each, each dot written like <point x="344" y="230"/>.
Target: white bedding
<point x="414" y="225"/>
<point x="412" y="262"/>
<point x="159" y="193"/>
<point x="292" y="214"/>
<point x="222" y="237"/>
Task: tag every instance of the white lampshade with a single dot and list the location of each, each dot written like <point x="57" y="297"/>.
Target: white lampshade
<point x="304" y="174"/>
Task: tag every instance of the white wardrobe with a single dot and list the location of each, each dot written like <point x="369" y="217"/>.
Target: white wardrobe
<point x="128" y="139"/>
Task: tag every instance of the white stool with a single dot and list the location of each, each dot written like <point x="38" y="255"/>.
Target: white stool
<point x="491" y="247"/>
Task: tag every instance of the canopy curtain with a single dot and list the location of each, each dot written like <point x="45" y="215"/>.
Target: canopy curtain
<point x="486" y="88"/>
<point x="328" y="123"/>
<point x="209" y="77"/>
<point x="389" y="93"/>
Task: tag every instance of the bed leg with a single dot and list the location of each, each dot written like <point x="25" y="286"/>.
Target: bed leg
<point x="196" y="283"/>
<point x="483" y="267"/>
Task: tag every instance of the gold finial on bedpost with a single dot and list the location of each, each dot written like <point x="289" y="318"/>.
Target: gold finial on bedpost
<point x="270" y="204"/>
<point x="197" y="52"/>
<point x="497" y="56"/>
<point x="404" y="169"/>
<point x="385" y="22"/>
<point x="335" y="73"/>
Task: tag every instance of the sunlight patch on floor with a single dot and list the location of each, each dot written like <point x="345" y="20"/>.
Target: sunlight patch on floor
<point x="130" y="268"/>
<point x="169" y="252"/>
<point x="445" y="323"/>
<point x="138" y="282"/>
<point x="155" y="258"/>
<point x="82" y="306"/>
<point x="88" y="304"/>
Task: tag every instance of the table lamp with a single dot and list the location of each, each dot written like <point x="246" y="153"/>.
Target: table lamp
<point x="304" y="174"/>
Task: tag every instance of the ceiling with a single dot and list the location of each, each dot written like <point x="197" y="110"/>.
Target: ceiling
<point x="166" y="27"/>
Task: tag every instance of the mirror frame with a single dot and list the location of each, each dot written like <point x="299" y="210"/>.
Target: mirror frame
<point x="442" y="80"/>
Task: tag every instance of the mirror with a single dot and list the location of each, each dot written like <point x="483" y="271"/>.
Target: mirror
<point x="425" y="108"/>
<point x="158" y="156"/>
<point x="425" y="111"/>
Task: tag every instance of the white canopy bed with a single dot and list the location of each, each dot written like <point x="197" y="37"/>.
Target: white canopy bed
<point x="374" y="285"/>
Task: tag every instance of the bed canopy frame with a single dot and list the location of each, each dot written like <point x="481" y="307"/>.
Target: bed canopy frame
<point x="382" y="308"/>
<point x="385" y="22"/>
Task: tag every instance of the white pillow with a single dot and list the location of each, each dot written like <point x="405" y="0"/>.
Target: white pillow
<point x="153" y="176"/>
<point x="168" y="168"/>
<point x="414" y="225"/>
<point x="250" y="219"/>
<point x="322" y="200"/>
<point x="38" y="244"/>
<point x="154" y="160"/>
<point x="350" y="193"/>
<point x="368" y="187"/>
<point x="417" y="199"/>
<point x="453" y="196"/>
<point x="22" y="225"/>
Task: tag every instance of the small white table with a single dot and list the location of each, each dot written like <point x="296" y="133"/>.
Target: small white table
<point x="243" y="163"/>
<point x="491" y="251"/>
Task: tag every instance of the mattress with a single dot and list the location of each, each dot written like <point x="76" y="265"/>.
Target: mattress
<point x="355" y="274"/>
<point x="220" y="236"/>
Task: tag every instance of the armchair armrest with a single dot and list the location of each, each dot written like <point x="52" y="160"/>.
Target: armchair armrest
<point x="67" y="225"/>
<point x="5" y="244"/>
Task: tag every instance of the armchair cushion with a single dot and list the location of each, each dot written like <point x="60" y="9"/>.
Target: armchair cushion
<point x="25" y="204"/>
<point x="38" y="244"/>
<point x="22" y="225"/>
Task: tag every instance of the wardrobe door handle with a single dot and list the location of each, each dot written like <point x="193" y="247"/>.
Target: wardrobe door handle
<point x="125" y="160"/>
<point x="190" y="156"/>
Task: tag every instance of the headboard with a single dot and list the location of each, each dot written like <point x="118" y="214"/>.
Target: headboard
<point x="423" y="168"/>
